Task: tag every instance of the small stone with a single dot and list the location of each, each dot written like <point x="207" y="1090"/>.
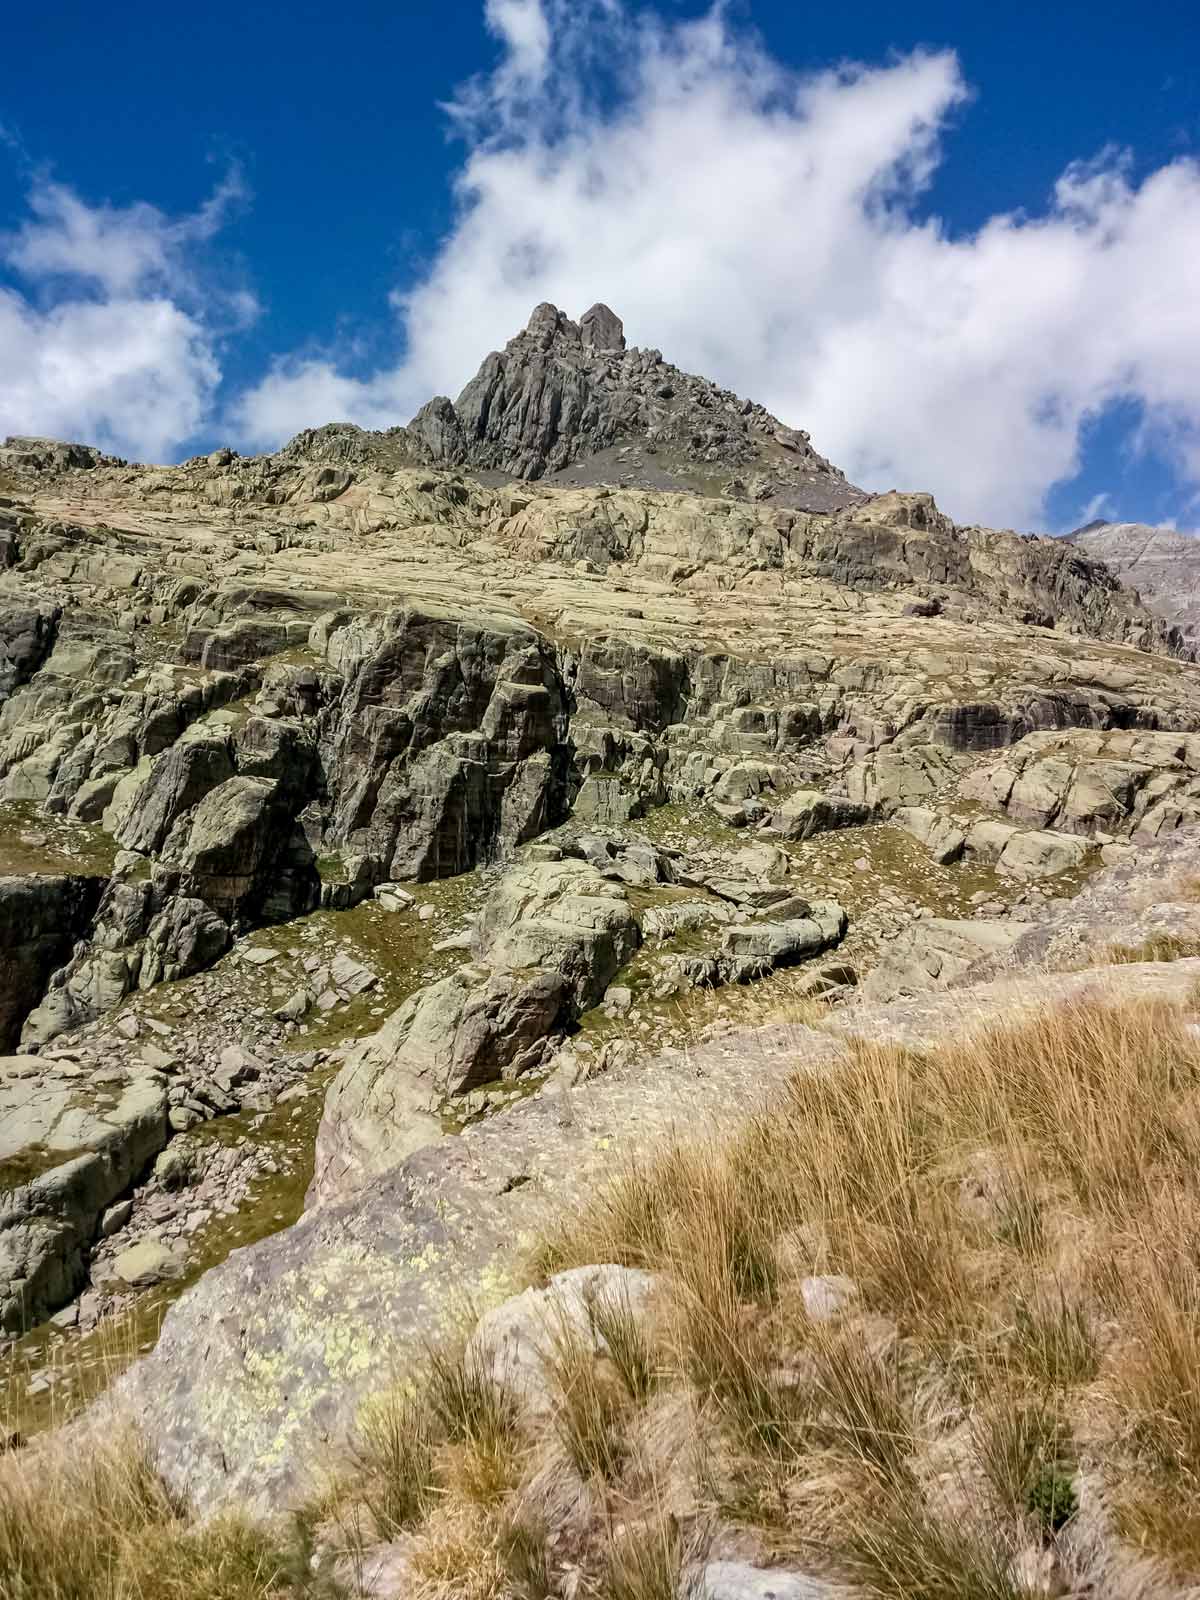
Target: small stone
<point x="146" y="1263"/>
<point x="544" y="852"/>
<point x="127" y="1025"/>
<point x="736" y="1580"/>
<point x="260" y="956"/>
<point x="827" y="1296"/>
<point x="294" y="1007"/>
<point x="212" y="1094"/>
<point x="238" y="1065"/>
<point x="183" y="1118"/>
<point x="351" y="975"/>
<point x="115" y="1218"/>
<point x="618" y="1000"/>
<point x="427" y="913"/>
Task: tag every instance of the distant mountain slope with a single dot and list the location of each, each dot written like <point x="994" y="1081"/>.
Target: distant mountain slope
<point x="1163" y="566"/>
<point x="567" y="402"/>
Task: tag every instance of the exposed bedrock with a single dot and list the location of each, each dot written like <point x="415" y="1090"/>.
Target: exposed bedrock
<point x="41" y="917"/>
<point x="447" y="744"/>
<point x="549" y="941"/>
<point x="68" y="1148"/>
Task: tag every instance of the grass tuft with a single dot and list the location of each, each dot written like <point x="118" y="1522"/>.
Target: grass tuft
<point x="644" y="1563"/>
<point x="619" y="1326"/>
<point x="589" y="1403"/>
<point x="98" y="1524"/>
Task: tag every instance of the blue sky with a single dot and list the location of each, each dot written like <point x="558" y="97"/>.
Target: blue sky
<point x="229" y="222"/>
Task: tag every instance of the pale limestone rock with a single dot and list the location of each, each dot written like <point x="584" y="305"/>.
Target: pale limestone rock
<point x="1041" y="855"/>
<point x="942" y="838"/>
<point x="511" y="1343"/>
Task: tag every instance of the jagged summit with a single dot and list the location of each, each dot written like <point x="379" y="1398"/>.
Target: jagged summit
<point x="571" y="403"/>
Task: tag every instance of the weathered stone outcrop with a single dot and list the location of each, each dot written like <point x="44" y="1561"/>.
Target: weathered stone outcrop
<point x="27" y="635"/>
<point x="936" y="951"/>
<point x="41" y="917"/>
<point x="808" y="811"/>
<point x="1161" y="564"/>
<point x="1087" y="783"/>
<point x="142" y="932"/>
<point x="561" y="915"/>
<point x="550" y="939"/>
<point x="513" y="1343"/>
<point x="68" y="1148"/>
<point x="392" y="1096"/>
<point x="448" y="744"/>
<point x="753" y="948"/>
<point x="941" y="838"/>
<point x="280" y="1343"/>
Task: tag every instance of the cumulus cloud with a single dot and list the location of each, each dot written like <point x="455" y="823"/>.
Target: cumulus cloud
<point x="110" y="331"/>
<point x="771" y="230"/>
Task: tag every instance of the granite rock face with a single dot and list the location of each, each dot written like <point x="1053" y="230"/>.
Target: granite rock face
<point x="68" y="1148"/>
<point x="564" y="916"/>
<point x="41" y="915"/>
<point x="550" y="939"/>
<point x="480" y="653"/>
<point x="387" y="1101"/>
<point x="1161" y="564"/>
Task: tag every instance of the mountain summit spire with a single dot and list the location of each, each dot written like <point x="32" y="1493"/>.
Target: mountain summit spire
<point x="572" y="403"/>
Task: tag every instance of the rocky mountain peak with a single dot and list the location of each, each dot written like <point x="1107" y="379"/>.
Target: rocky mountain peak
<point x="571" y="404"/>
<point x="1162" y="564"/>
<point x="598" y="329"/>
<point x="602" y="328"/>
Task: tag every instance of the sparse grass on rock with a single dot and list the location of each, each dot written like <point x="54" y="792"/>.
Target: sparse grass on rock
<point x="1158" y="947"/>
<point x="926" y="1326"/>
<point x="96" y="1523"/>
<point x="1015" y="1209"/>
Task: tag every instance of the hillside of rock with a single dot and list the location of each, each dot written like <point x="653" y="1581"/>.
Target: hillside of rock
<point x="1162" y="565"/>
<point x="391" y="824"/>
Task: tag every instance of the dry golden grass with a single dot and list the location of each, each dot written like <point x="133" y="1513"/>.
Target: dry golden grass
<point x="1158" y="947"/>
<point x="1019" y="1209"/>
<point x="643" y="1562"/>
<point x="98" y="1524"/>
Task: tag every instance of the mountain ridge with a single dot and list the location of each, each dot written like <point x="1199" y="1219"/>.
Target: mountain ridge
<point x="1161" y="565"/>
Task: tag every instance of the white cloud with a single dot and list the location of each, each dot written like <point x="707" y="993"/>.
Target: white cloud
<point x="135" y="376"/>
<point x="523" y="29"/>
<point x="1095" y="508"/>
<point x="113" y="336"/>
<point x="765" y="229"/>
